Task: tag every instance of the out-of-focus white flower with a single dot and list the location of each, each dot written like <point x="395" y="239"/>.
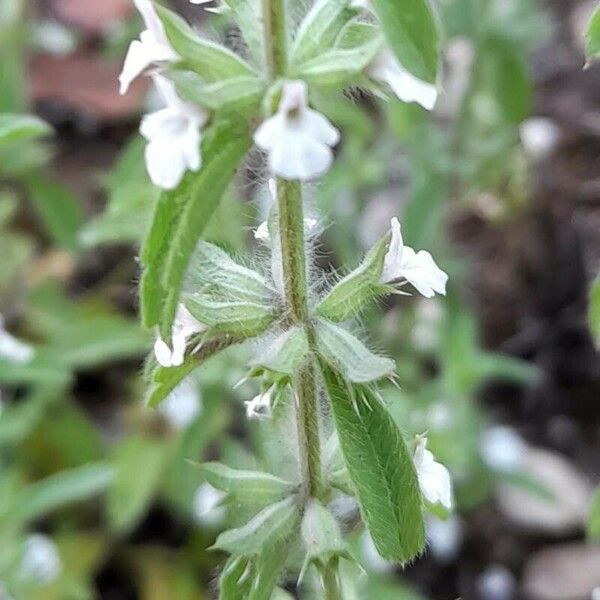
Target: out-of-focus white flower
<point x="418" y="268"/>
<point x="183" y="405"/>
<point x="374" y="560"/>
<point x="53" y="37"/>
<point x="434" y="478"/>
<point x="153" y="47"/>
<point x="173" y="135"/>
<point x="596" y="593"/>
<point x="185" y="326"/>
<point x="539" y="136"/>
<point x="40" y="561"/>
<point x="207" y="505"/>
<point x="386" y="69"/>
<point x="4" y="595"/>
<point x="12" y="349"/>
<point x="260" y="406"/>
<point x="496" y="583"/>
<point x="502" y="449"/>
<point x="360" y="4"/>
<point x="297" y="138"/>
<point x="218" y="8"/>
<point x="444" y="537"/>
<point x="262" y="231"/>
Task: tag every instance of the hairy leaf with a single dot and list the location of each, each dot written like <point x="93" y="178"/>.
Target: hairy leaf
<point x="381" y="469"/>
<point x="272" y="524"/>
<point x="180" y="218"/>
<point x="246" y="486"/>
<point x="358" y="288"/>
<point x="320" y="28"/>
<point x="347" y="354"/>
<point x="212" y="61"/>
<point x="165" y="379"/>
<point x="285" y="353"/>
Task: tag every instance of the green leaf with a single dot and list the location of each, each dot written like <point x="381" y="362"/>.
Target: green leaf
<point x="164" y="380"/>
<point x="343" y="64"/>
<point x="285" y="353"/>
<point x="212" y="61"/>
<point x="357" y="289"/>
<point x="381" y="469"/>
<point x="593" y="527"/>
<point x="214" y="272"/>
<point x="56" y="491"/>
<point x="236" y="317"/>
<point x="272" y="524"/>
<point x="594" y="314"/>
<point x="246" y="486"/>
<point x="139" y="465"/>
<point x="59" y="208"/>
<point x="180" y="218"/>
<point x="253" y="578"/>
<point x="321" y="534"/>
<point x="320" y="28"/>
<point x="247" y="13"/>
<point x="347" y="354"/>
<point x="592" y="36"/>
<point x="411" y="31"/>
<point x="241" y="94"/>
<point x="16" y="128"/>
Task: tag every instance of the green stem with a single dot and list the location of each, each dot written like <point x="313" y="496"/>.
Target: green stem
<point x="275" y="36"/>
<point x="293" y="256"/>
<point x="331" y="583"/>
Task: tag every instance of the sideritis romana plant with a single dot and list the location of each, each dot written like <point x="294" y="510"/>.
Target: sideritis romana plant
<point x="311" y="369"/>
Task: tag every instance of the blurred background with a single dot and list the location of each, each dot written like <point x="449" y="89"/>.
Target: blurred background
<point x="501" y="183"/>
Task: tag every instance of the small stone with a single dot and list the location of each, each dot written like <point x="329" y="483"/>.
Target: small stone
<point x="496" y="583"/>
<point x="565" y="513"/>
<point x="566" y="572"/>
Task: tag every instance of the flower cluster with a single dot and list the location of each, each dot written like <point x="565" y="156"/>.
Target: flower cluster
<point x="298" y="139"/>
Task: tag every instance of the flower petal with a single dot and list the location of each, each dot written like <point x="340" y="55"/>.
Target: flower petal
<point x="393" y="257"/>
<point x="408" y="88"/>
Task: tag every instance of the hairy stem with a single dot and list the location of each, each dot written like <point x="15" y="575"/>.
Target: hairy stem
<point x="331" y="583"/>
<point x="275" y="36"/>
<point x="293" y="256"/>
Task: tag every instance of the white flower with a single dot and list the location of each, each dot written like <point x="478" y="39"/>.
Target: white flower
<point x="185" y="326"/>
<point x="173" y="135"/>
<point x="183" y="405"/>
<point x="434" y="478"/>
<point x="444" y="537"/>
<point x="297" y="138"/>
<point x="40" y="561"/>
<point x="418" y="268"/>
<point x="373" y="560"/>
<point x="207" y="505"/>
<point x="260" y="406"/>
<point x="360" y="4"/>
<point x="496" y="583"/>
<point x="386" y="69"/>
<point x="502" y="449"/>
<point x="153" y="47"/>
<point x="219" y="9"/>
<point x="261" y="233"/>
<point x="539" y="137"/>
<point x="12" y="349"/>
